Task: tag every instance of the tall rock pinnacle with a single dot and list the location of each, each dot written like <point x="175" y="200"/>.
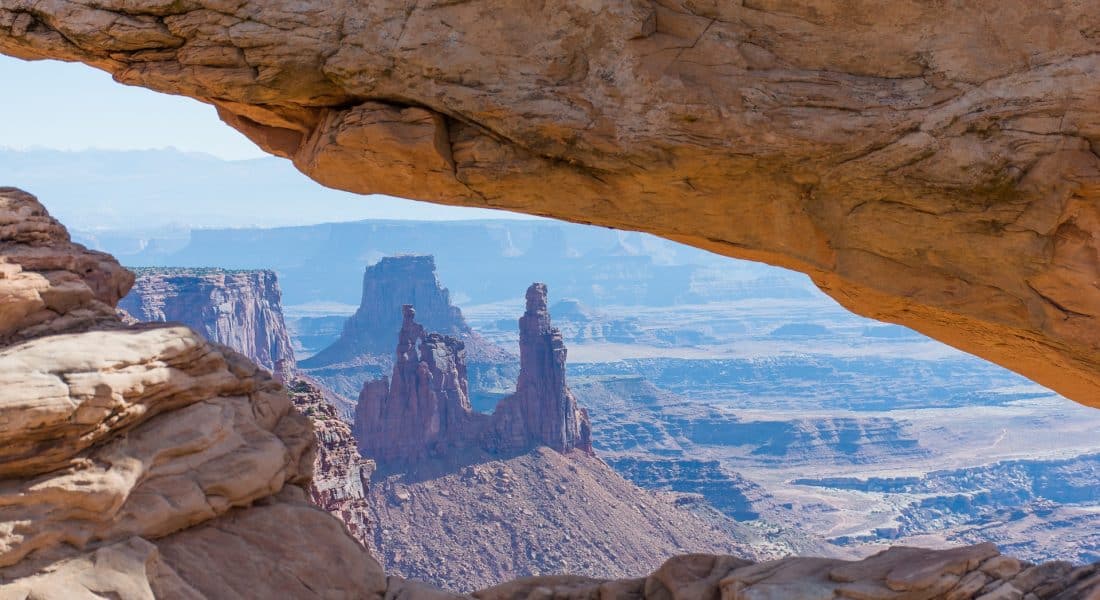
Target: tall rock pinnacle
<point x="424" y="408"/>
<point x="543" y="410"/>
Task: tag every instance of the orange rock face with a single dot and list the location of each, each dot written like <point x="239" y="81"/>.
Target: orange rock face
<point x="926" y="164"/>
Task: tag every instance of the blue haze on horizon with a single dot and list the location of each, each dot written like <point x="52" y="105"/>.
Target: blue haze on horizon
<point x="117" y="143"/>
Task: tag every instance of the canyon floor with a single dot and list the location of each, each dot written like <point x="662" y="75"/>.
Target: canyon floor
<point x="540" y="513"/>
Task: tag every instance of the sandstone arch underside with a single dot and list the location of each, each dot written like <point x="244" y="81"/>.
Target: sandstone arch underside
<point x="930" y="164"/>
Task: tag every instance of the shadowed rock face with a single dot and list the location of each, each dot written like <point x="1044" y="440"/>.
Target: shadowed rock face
<point x="391" y="282"/>
<point x="925" y="164"/>
<point x="241" y="309"/>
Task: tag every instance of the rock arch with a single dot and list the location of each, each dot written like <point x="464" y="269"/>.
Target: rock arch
<point x="930" y="165"/>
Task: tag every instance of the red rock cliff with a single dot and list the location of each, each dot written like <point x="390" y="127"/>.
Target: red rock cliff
<point x="423" y="406"/>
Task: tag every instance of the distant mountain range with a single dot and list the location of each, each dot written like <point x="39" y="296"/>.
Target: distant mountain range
<point x="480" y="261"/>
<point x="119" y="189"/>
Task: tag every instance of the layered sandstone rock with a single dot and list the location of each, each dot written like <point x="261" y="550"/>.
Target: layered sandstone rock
<point x="243" y="310"/>
<point x="142" y="460"/>
<point x="931" y="165"/>
<point x="365" y="347"/>
<point x="240" y="309"/>
<point x="973" y="572"/>
<point x="423" y="410"/>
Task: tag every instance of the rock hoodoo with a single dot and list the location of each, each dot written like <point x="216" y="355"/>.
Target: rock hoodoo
<point x="423" y="406"/>
<point x="240" y="309"/>
<point x="423" y="409"/>
<point x="926" y="164"/>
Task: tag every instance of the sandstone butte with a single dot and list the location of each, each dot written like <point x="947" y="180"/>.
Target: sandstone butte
<point x="929" y="164"/>
<point x="141" y="461"/>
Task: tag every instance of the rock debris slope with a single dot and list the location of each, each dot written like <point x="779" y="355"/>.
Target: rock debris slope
<point x="927" y="164"/>
<point x="240" y="309"/>
<point x="143" y="460"/>
<point x="464" y="500"/>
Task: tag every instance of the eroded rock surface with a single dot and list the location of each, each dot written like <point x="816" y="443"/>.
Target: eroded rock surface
<point x="240" y="309"/>
<point x="542" y="409"/>
<point x="928" y="165"/>
<point x="142" y="459"/>
<point x="341" y="476"/>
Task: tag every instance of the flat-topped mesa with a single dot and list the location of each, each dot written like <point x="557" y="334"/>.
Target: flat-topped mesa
<point x="387" y="284"/>
<point x="364" y="350"/>
<point x="241" y="309"/>
<point x="542" y="411"/>
<point x="425" y="404"/>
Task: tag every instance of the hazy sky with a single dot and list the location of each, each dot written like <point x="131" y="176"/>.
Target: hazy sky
<point x="69" y="106"/>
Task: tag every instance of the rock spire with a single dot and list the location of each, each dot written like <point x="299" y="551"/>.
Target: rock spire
<point x="424" y="409"/>
<point x="542" y="410"/>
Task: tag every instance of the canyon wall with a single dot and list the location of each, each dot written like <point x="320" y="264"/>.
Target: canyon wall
<point x="240" y="309"/>
<point x="930" y="165"/>
<point x="341" y="476"/>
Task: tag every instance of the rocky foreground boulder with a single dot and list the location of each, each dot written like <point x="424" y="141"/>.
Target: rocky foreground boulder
<point x="141" y="461"/>
<point x="930" y="164"/>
